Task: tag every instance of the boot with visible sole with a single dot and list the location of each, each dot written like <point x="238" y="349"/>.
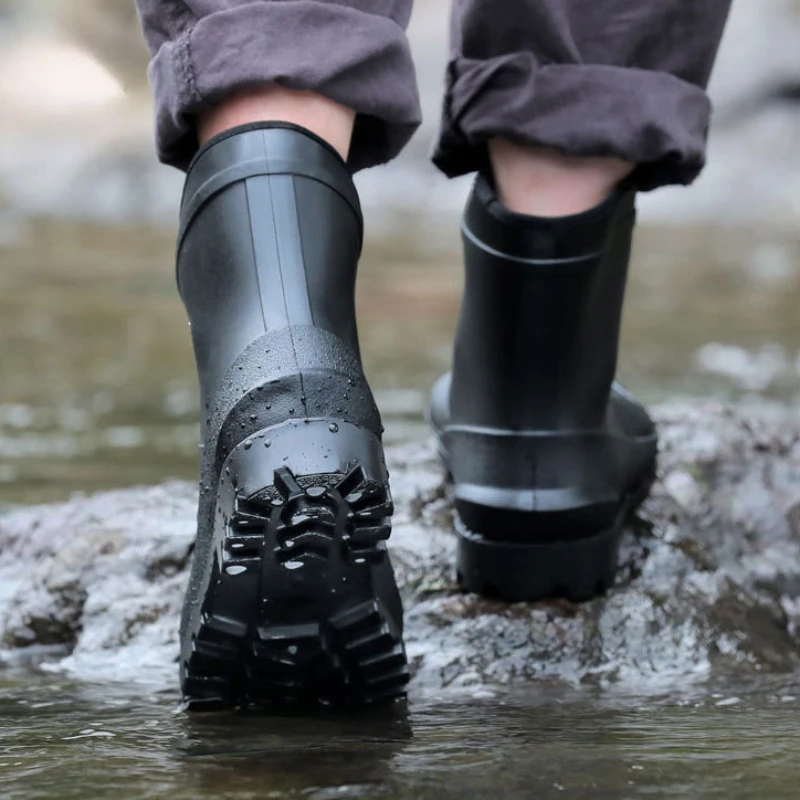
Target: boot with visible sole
<point x="547" y="455"/>
<point x="292" y="598"/>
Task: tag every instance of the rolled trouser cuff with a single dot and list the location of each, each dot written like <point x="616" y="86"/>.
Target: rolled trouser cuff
<point x="652" y="119"/>
<point x="359" y="59"/>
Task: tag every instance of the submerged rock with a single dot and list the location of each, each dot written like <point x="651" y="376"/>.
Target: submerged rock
<point x="709" y="579"/>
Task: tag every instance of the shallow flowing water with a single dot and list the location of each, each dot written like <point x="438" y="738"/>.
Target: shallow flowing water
<point x="62" y="741"/>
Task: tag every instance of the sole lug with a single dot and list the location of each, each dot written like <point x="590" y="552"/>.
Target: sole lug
<point x="293" y="612"/>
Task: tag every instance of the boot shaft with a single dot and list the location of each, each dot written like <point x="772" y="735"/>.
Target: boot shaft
<point x="271" y="233"/>
<point x="537" y="341"/>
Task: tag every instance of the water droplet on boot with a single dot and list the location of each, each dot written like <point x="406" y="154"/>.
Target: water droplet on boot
<point x="248" y="445"/>
<point x="333" y="427"/>
<point x="268" y="443"/>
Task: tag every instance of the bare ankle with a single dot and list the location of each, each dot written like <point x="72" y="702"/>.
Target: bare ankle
<point x="272" y="103"/>
<point x="543" y="182"/>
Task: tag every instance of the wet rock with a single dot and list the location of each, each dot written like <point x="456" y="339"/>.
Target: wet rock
<point x="102" y="576"/>
<point x="709" y="580"/>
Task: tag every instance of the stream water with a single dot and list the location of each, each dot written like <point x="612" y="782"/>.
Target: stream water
<point x="63" y="741"/>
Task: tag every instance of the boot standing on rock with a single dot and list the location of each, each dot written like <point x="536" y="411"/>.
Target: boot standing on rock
<point x="565" y="110"/>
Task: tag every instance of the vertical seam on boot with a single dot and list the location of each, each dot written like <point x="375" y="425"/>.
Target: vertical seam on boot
<point x="255" y="256"/>
<point x="255" y="250"/>
<point x="289" y="241"/>
<point x="302" y="251"/>
<point x="303" y="398"/>
<point x="289" y="326"/>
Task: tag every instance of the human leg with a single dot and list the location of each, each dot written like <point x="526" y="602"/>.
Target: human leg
<point x="588" y="78"/>
<point x="353" y="53"/>
<point x="544" y="182"/>
<point x="291" y="596"/>
<point x="565" y="109"/>
<point x="326" y="118"/>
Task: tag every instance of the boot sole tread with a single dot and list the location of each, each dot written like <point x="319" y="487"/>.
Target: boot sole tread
<point x="291" y="616"/>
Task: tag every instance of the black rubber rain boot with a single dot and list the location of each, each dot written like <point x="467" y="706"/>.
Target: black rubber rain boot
<point x="548" y="456"/>
<point x="292" y="597"/>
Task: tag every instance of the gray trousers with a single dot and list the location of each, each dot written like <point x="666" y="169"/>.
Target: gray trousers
<point x="589" y="77"/>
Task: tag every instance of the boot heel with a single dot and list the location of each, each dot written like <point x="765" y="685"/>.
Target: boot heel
<point x="302" y="605"/>
<point x="556" y="557"/>
<point x="577" y="569"/>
